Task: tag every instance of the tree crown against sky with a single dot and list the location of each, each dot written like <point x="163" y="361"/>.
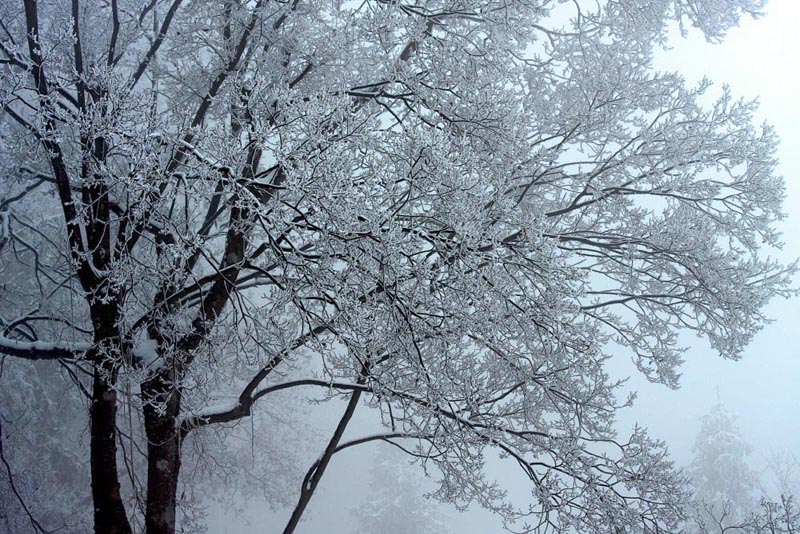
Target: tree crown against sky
<point x="454" y="211"/>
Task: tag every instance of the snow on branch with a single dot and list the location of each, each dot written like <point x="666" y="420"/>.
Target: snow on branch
<point x="42" y="350"/>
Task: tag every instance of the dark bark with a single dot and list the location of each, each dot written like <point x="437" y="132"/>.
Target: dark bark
<point x="109" y="512"/>
<point x="161" y="393"/>
<point x="56" y="156"/>
<point x="161" y="411"/>
<point x="89" y="233"/>
<point x="162" y="396"/>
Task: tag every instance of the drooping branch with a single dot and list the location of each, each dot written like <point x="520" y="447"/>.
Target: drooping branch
<point x="243" y="406"/>
<point x="386" y="436"/>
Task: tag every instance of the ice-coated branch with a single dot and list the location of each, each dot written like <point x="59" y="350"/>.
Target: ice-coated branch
<point x="42" y="350"/>
<point x="249" y="395"/>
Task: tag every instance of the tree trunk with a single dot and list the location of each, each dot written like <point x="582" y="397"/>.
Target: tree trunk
<point x="161" y="411"/>
<point x="109" y="512"/>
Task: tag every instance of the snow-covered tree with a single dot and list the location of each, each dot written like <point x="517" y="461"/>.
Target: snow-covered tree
<point x="725" y="486"/>
<point x="396" y="501"/>
<point x="728" y="495"/>
<point x="447" y="209"/>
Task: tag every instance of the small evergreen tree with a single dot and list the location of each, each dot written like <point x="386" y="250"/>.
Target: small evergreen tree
<point x="723" y="482"/>
<point x="396" y="503"/>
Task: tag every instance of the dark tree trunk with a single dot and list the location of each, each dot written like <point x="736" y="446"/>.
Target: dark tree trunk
<point x="161" y="411"/>
<point x="109" y="512"/>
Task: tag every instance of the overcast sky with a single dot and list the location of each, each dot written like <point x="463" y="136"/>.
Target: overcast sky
<point x="758" y="60"/>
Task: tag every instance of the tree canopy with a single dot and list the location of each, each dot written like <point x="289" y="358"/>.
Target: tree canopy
<point x="451" y="211"/>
